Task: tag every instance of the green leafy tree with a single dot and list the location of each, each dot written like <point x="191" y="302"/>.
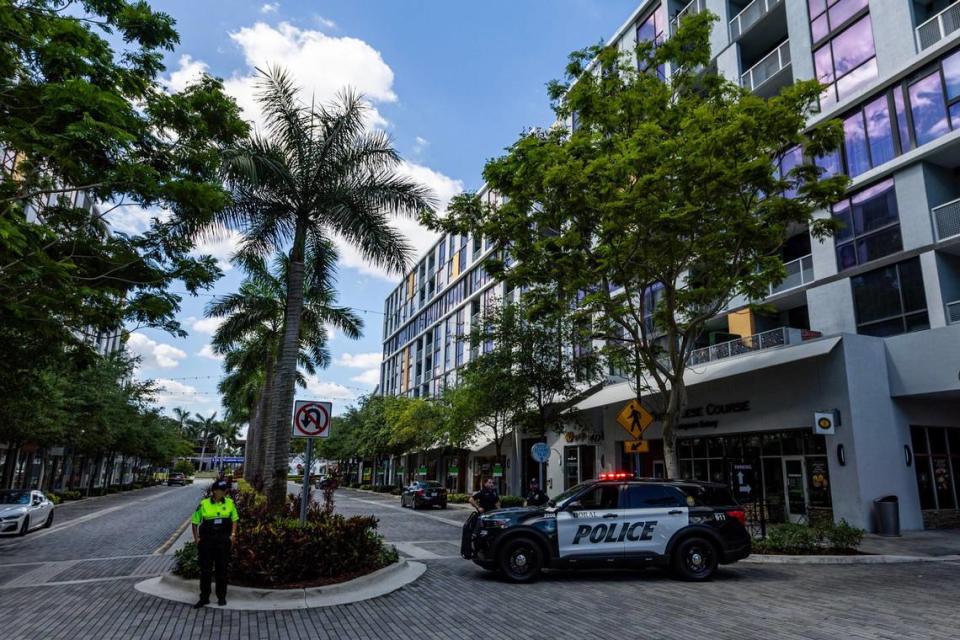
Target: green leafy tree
<point x="318" y="173"/>
<point x="660" y="206"/>
<point x="80" y="124"/>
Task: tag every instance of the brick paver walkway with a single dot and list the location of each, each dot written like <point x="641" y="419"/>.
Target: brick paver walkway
<point x="455" y="599"/>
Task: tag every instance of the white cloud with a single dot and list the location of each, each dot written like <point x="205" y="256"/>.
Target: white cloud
<point x="270" y="7"/>
<point x="324" y="390"/>
<point x="133" y="219"/>
<point x="222" y="246"/>
<point x="419" y="144"/>
<point x="369" y="377"/>
<point x="360" y="360"/>
<point x="332" y="331"/>
<point x="153" y="353"/>
<point x="321" y="65"/>
<point x="205" y="325"/>
<point x="325" y="22"/>
<point x="208" y="352"/>
<point x="173" y="393"/>
<point x="187" y="73"/>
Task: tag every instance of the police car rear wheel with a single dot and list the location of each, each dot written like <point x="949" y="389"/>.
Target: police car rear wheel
<point x="695" y="559"/>
<point x="521" y="560"/>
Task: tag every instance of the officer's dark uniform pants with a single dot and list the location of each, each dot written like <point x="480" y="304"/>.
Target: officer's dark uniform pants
<point x="214" y="556"/>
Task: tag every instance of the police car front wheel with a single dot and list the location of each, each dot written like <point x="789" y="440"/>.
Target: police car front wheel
<point x="521" y="560"/>
<point x="695" y="559"/>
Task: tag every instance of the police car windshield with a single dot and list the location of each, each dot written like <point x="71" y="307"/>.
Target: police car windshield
<point x="564" y="497"/>
<point x="14" y="497"/>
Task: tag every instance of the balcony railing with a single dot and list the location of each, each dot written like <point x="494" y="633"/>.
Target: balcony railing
<point x="953" y="312"/>
<point x="799" y="273"/>
<point x="750" y="15"/>
<point x="938" y="27"/>
<point x="769" y="66"/>
<point x="766" y="340"/>
<point x="693" y="8"/>
<point x="946" y="219"/>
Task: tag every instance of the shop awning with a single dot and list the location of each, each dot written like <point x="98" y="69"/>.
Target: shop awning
<point x="698" y="374"/>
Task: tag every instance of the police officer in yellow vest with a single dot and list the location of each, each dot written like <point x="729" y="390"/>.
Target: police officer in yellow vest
<point x="214" y="528"/>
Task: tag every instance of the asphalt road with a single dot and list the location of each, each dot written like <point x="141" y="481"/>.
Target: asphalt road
<point x="77" y="582"/>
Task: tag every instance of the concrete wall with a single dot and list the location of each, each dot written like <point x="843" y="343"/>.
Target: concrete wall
<point x="831" y="308"/>
<point x="893" y="34"/>
<point x="874" y="435"/>
<point x="915" y="226"/>
<point x="924" y="362"/>
<point x="798" y="26"/>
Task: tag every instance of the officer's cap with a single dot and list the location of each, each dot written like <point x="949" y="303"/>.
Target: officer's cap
<point x="220" y="485"/>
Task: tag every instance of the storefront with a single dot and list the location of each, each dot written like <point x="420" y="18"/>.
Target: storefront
<point x="784" y="472"/>
<point x="936" y="460"/>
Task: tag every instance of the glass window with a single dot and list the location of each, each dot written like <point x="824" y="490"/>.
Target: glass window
<point x="651" y="30"/>
<point x="652" y="496"/>
<point x="903" y="127"/>
<point x="951" y="75"/>
<point x="604" y="496"/>
<point x="853" y="47"/>
<point x="890" y="300"/>
<point x="855" y="145"/>
<point x="918" y="436"/>
<point x="843" y="10"/>
<point x="928" y="109"/>
<point x="870" y="225"/>
<point x="879" y="133"/>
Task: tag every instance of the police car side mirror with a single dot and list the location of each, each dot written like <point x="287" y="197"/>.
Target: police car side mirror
<point x="573" y="506"/>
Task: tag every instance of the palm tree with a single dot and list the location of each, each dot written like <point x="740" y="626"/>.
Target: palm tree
<point x="250" y="336"/>
<point x="181" y="415"/>
<point x="317" y="174"/>
<point x="204" y="427"/>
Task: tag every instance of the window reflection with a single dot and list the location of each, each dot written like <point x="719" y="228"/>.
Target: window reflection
<point x="928" y="109"/>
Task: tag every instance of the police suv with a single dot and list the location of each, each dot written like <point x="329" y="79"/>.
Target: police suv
<point x="616" y="521"/>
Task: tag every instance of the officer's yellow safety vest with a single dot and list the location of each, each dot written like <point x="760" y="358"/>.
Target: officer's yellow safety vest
<point x="215" y="518"/>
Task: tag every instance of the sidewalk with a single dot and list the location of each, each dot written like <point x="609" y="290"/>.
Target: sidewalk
<point x="930" y="543"/>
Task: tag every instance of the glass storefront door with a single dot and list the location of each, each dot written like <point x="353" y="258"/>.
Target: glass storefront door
<point x="796" y="488"/>
<point x="579" y="464"/>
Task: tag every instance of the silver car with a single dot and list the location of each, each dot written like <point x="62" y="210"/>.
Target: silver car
<point x="22" y="510"/>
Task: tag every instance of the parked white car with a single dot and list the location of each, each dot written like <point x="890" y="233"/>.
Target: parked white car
<point x="24" y="510"/>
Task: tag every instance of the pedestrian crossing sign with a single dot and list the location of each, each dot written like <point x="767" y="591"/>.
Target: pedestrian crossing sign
<point x="634" y="418"/>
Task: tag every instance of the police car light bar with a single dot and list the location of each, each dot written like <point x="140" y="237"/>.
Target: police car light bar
<point x="616" y="475"/>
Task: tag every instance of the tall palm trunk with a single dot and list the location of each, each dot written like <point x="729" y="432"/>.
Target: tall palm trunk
<point x="264" y="426"/>
<point x="203" y="449"/>
<point x="278" y="452"/>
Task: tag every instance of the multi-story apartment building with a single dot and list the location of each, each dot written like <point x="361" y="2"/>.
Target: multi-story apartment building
<point x="865" y="327"/>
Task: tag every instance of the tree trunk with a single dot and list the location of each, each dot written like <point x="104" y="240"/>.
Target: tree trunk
<point x="264" y="430"/>
<point x="285" y="378"/>
<point x="203" y="450"/>
<point x="10" y="466"/>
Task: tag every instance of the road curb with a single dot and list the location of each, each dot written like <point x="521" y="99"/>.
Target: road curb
<point x="864" y="559"/>
<point x="372" y="585"/>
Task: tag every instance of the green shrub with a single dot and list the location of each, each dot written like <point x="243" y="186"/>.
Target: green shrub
<point x="136" y="485"/>
<point x="187" y="562"/>
<point x="382" y="488"/>
<point x="67" y="495"/>
<point x="843" y="536"/>
<point x="797" y="539"/>
<point x="185" y="467"/>
<point x="366" y="487"/>
<point x="511" y="501"/>
<point x="113" y="489"/>
<point x="396" y="491"/>
<point x="458" y="498"/>
<point x="54" y="498"/>
<point x="354" y="485"/>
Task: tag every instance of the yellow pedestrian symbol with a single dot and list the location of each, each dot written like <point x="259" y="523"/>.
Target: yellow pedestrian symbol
<point x="634" y="418"/>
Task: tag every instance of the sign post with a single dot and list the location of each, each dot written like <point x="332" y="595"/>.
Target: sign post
<point x="311" y="419"/>
<point x="541" y="453"/>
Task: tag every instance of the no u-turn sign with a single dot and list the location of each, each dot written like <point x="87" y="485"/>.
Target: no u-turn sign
<point x="311" y="419"/>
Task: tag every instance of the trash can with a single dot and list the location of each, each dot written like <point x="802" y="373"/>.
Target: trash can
<point x="887" y="511"/>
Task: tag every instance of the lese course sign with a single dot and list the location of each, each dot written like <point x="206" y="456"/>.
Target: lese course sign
<point x="311" y="419"/>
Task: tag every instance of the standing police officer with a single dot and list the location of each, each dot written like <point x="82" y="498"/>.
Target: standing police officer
<point x="214" y="528"/>
<point x="536" y="497"/>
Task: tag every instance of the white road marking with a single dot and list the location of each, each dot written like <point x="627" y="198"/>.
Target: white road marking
<point x="452" y="523"/>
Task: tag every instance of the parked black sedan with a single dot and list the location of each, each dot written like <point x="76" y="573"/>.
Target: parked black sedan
<point x="424" y="493"/>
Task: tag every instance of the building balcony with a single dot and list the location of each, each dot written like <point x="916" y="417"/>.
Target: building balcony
<point x="766" y="340"/>
<point x="938" y="27"/>
<point x="799" y="273"/>
<point x="751" y="15"/>
<point x="772" y="73"/>
<point x="693" y="8"/>
<point x="946" y="220"/>
<point x="953" y="312"/>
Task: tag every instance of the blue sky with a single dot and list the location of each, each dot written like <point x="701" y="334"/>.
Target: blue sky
<point x="452" y="82"/>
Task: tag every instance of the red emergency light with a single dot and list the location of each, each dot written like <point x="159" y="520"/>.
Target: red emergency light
<point x="616" y="475"/>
